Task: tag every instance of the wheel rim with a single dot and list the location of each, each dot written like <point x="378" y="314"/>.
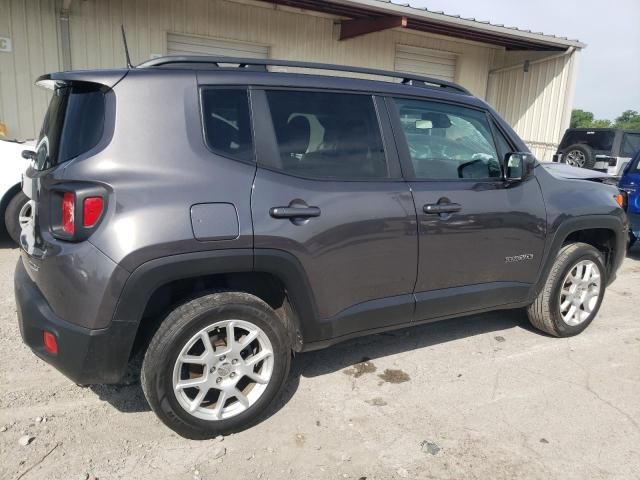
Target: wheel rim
<point x="576" y="158"/>
<point x="580" y="292"/>
<point x="223" y="370"/>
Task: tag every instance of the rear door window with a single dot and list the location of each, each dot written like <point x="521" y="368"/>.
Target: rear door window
<point x="327" y="135"/>
<point x="227" y="122"/>
<point x="73" y="124"/>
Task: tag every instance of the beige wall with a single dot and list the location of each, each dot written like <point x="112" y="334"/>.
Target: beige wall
<point x="536" y="103"/>
<point x="529" y="101"/>
<point x="31" y="25"/>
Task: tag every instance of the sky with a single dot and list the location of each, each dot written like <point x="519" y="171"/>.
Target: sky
<point x="608" y="80"/>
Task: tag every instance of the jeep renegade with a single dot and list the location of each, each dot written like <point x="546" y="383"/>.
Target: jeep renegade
<point x="215" y="217"/>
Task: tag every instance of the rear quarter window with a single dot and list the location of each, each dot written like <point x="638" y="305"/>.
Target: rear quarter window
<point x="630" y="144"/>
<point x="227" y="122"/>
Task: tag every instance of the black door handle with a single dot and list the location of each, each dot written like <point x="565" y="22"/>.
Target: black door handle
<point x="294" y="212"/>
<point x="437" y="208"/>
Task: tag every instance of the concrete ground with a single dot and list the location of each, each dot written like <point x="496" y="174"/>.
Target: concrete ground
<point x="481" y="397"/>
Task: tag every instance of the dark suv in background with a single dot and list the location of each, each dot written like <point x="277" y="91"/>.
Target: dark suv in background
<point x="605" y="149"/>
<point x="217" y="217"/>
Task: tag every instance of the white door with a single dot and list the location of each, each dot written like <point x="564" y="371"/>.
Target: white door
<point x="180" y="44"/>
<point x="423" y="61"/>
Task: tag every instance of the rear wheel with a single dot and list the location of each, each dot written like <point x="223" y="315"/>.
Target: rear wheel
<point x="573" y="292"/>
<point x="12" y="215"/>
<point x="579" y="156"/>
<point x="215" y="364"/>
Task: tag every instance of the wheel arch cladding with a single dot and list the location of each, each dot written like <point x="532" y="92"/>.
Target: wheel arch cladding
<point x="274" y="276"/>
<point x="590" y="229"/>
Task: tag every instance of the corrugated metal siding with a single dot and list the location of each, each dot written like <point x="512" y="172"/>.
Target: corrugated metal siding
<point x="536" y="103"/>
<point x="425" y="61"/>
<point x="31" y="25"/>
<point x="96" y="42"/>
<point x="290" y="34"/>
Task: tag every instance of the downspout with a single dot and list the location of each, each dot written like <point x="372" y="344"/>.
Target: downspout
<point x="65" y="36"/>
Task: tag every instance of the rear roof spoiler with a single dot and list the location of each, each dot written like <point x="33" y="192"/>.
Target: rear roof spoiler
<point x="104" y="78"/>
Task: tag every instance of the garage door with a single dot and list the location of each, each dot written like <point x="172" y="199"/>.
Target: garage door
<point x="432" y="63"/>
<point x="179" y="44"/>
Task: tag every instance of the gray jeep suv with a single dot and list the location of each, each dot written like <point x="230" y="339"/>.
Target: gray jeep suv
<point x="216" y="217"/>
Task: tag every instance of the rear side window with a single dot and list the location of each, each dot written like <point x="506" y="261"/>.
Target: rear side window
<point x="227" y="122"/>
<point x="73" y="124"/>
<point x="596" y="139"/>
<point x="630" y="144"/>
<point x="327" y="135"/>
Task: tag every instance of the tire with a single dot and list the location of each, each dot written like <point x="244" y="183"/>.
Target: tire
<point x="546" y="312"/>
<point x="579" y="155"/>
<point x="161" y="369"/>
<point x="12" y="214"/>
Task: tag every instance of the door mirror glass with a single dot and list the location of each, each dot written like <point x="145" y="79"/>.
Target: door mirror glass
<point x="519" y="165"/>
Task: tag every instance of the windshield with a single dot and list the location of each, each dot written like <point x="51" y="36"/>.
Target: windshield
<point x="72" y="125"/>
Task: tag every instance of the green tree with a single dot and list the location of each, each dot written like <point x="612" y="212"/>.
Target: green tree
<point x="584" y="119"/>
<point x="629" y="119"/>
<point x="581" y="119"/>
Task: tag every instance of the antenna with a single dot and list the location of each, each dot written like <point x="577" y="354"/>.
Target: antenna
<point x="126" y="47"/>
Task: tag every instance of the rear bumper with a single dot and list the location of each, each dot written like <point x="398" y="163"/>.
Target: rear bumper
<point x="86" y="356"/>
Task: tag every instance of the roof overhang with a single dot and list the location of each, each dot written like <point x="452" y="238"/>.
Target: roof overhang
<point x="383" y="13"/>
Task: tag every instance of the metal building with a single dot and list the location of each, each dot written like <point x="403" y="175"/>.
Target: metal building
<point x="527" y="76"/>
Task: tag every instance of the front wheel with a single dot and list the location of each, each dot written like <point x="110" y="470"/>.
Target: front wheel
<point x="573" y="292"/>
<point x="216" y="364"/>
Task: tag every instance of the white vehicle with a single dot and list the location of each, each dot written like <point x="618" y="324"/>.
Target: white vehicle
<point x="12" y="166"/>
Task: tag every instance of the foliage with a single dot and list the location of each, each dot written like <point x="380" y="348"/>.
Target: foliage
<point x="629" y="119"/>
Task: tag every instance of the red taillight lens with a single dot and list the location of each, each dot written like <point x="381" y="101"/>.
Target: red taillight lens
<point x="68" y="213"/>
<point x="92" y="209"/>
<point x="50" y="342"/>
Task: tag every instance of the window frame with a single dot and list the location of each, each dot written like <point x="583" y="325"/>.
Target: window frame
<point x="403" y="146"/>
<point x="203" y="130"/>
<point x="266" y="143"/>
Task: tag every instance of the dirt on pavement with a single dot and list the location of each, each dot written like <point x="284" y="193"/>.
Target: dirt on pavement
<point x="482" y="397"/>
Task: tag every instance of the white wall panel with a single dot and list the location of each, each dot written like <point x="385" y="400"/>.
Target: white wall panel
<point x="537" y="103"/>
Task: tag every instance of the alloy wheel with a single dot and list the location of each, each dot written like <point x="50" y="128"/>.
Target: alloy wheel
<point x="223" y="370"/>
<point x="581" y="289"/>
<point x="575" y="158"/>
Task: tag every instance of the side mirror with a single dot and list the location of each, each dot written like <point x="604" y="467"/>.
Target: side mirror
<point x="29" y="155"/>
<point x="518" y="166"/>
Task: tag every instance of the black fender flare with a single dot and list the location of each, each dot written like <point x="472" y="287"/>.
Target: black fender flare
<point x="587" y="222"/>
<point x="153" y="274"/>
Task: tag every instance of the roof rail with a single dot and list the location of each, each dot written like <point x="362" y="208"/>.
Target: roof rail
<point x="407" y="78"/>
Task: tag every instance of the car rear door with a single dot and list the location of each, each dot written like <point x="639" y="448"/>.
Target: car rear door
<point x="329" y="192"/>
<point x="481" y="239"/>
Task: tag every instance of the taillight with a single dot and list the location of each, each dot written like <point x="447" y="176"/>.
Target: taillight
<point x="77" y="209"/>
<point x="68" y="213"/>
<point x="91" y="211"/>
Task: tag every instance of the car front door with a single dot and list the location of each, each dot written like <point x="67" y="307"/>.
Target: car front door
<point x="330" y="194"/>
<point x="481" y="238"/>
